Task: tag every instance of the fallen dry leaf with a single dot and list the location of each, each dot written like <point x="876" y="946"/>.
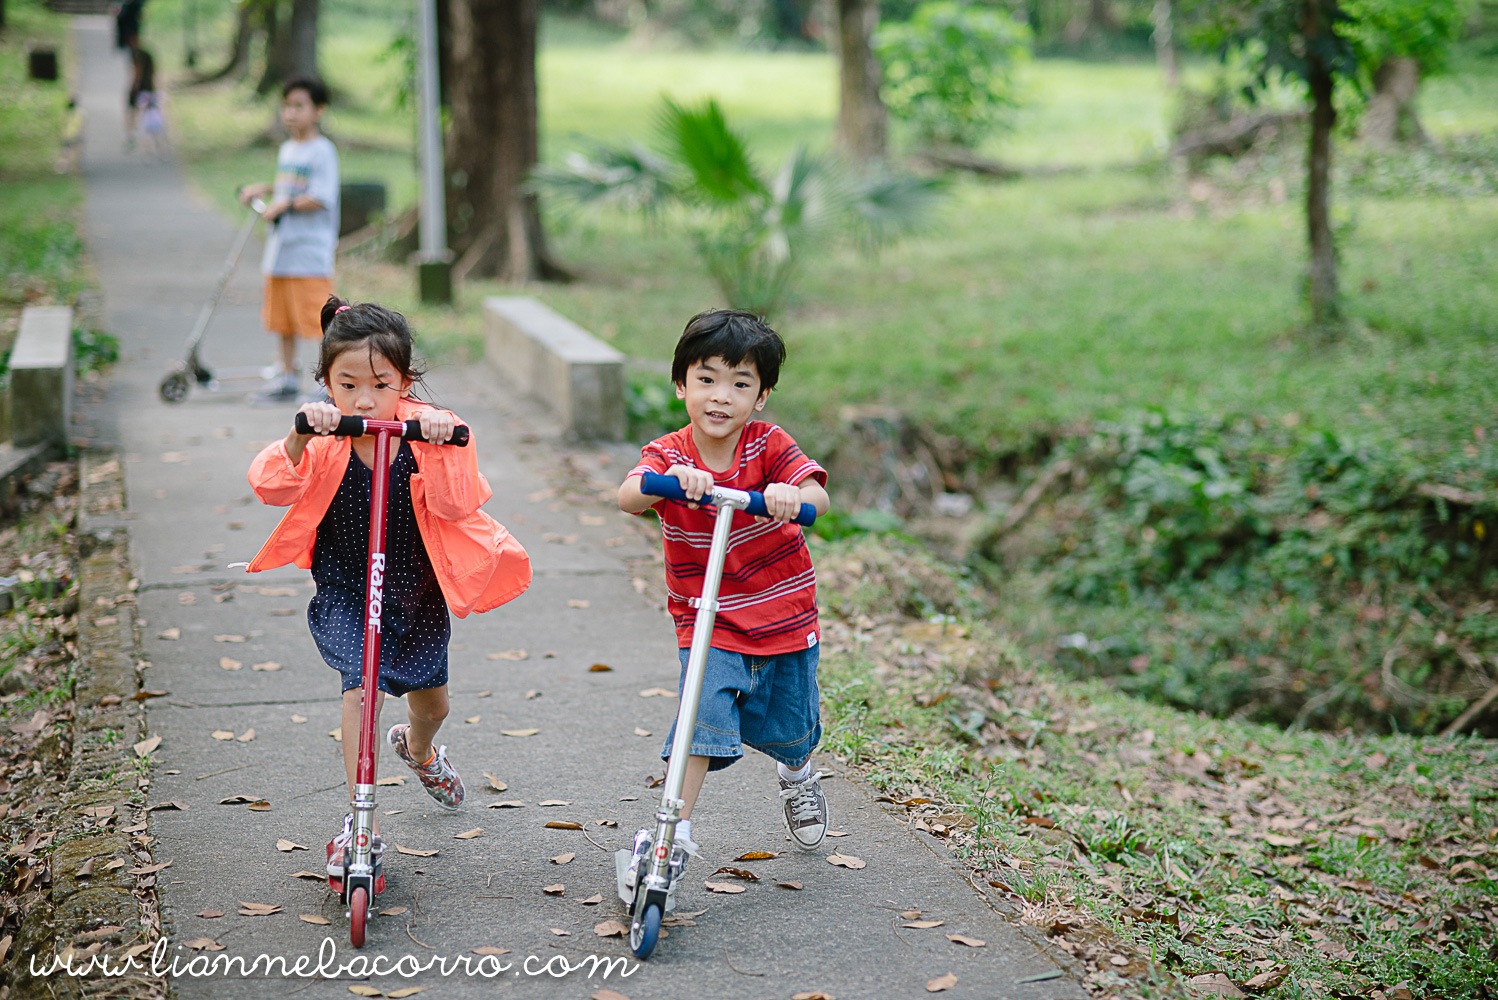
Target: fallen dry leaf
<point x="812" y="995"/>
<point x="641" y="732"/>
<point x="577" y="604"/>
<point x="560" y="933"/>
<point x="532" y="695"/>
<point x="414" y="852"/>
<point x="336" y="733"/>
<point x="288" y="845"/>
<point x="605" y="822"/>
<point x="258" y="909"/>
<point x="1268" y="979"/>
<point x="405" y="991"/>
<point x="472" y="719"/>
<point x="519" y="732"/>
<point x="299" y="719"/>
<point x="971" y="942"/>
<point x="483" y="694"/>
<point x="267" y="665"/>
<point x="360" y="990"/>
<point x="837" y="833"/>
<point x="554" y="890"/>
<point x="657" y="693"/>
<point x="173" y="804"/>
<point x="910" y="914"/>
<point x="228" y="638"/>
<point x="921" y="925"/>
<point x="392" y="911"/>
<point x="315" y="876"/>
<point x="562" y="859"/>
<point x="313" y="918"/>
<point x="743" y="873"/>
<point x="593" y="900"/>
<point x="222" y="734"/>
<point x="757" y="856"/>
<point x="496" y="784"/>
<point x="941" y="983"/>
<point x="724" y="887"/>
<point x="204" y="944"/>
<point x="610" y="928"/>
<point x="211" y="914"/>
<point x="789" y="885"/>
<point x="1215" y="984"/>
<point x="846" y="861"/>
<point x="564" y="824"/>
<point x="170" y="633"/>
<point x="228" y="663"/>
<point x="149" y="869"/>
<point x="259" y="806"/>
<point x="510" y="654"/>
<point x="394" y="779"/>
<point x="467" y="834"/>
<point x="507" y="804"/>
<point x="144" y="747"/>
<point x="607" y="994"/>
<point x="246" y="736"/>
<point x="553" y="802"/>
<point x="599" y="668"/>
<point x="238" y="800"/>
<point x="489" y="949"/>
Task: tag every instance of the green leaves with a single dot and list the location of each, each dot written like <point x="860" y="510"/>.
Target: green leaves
<point x="713" y="156"/>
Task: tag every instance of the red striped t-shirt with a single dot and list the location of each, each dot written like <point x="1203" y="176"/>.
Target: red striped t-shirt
<point x="767" y="601"/>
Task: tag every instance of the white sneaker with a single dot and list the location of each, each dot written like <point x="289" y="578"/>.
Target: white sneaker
<point x="805" y="811"/>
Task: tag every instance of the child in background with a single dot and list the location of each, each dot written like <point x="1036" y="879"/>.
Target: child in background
<point x="152" y="122"/>
<point x="366" y="366"/>
<point x="302" y="211"/>
<point x="760" y="687"/>
<point x="70" y="150"/>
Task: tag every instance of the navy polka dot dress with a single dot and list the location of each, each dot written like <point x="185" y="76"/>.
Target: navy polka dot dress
<point x="414" y="627"/>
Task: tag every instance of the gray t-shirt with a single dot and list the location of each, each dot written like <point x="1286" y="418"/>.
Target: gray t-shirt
<point x="301" y="244"/>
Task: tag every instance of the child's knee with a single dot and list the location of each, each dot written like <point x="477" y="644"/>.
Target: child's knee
<point x="433" y="710"/>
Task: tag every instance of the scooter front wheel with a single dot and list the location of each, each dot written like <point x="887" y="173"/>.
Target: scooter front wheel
<point x="358" y="912"/>
<point x="643" y="932"/>
<point x="173" y="388"/>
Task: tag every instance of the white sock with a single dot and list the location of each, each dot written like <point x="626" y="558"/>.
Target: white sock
<point x="800" y="774"/>
<point x="684" y="829"/>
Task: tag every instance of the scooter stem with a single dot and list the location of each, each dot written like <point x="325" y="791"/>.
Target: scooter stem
<point x="362" y="862"/>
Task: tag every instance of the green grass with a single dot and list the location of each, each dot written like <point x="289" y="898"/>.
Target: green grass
<point x="1185" y="845"/>
<point x="31" y="111"/>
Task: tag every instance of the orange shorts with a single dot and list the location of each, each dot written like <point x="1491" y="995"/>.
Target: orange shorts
<point x="294" y="305"/>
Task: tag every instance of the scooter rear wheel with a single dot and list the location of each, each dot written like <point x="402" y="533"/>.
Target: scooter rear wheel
<point x="642" y="935"/>
<point x="173" y="388"/>
<point x="358" y="912"/>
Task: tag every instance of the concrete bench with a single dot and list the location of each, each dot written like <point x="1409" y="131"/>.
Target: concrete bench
<point x="559" y="363"/>
<point x="41" y="377"/>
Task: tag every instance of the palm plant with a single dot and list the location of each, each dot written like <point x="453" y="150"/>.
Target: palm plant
<point x="752" y="231"/>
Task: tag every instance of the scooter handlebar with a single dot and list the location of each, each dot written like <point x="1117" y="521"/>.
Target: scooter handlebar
<point x="354" y="427"/>
<point x="654" y="484"/>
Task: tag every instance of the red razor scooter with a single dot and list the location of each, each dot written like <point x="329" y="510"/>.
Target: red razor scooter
<point x="362" y="878"/>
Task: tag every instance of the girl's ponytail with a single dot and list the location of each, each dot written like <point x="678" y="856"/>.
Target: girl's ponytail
<point x="329" y="310"/>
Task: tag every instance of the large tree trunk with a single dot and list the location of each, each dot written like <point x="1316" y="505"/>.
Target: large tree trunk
<point x="1323" y="283"/>
<point x="860" y="115"/>
<point x="277" y="48"/>
<point x="302" y="45"/>
<point x="1165" y="49"/>
<point x="494" y="226"/>
<point x="1094" y="18"/>
<point x="290" y="43"/>
<point x="1391" y="115"/>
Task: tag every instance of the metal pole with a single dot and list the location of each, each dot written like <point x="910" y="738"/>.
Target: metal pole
<point x="433" y="262"/>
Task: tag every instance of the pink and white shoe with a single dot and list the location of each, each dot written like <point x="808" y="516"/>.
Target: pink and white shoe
<point x="438" y="777"/>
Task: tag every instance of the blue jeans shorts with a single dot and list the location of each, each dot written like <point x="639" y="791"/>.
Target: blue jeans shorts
<point x="769" y="703"/>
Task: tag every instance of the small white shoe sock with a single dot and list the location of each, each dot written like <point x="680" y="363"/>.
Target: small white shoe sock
<point x="801" y="774"/>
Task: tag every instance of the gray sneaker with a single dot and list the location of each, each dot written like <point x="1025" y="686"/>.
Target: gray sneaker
<point x="281" y="389"/>
<point x="805" y="811"/>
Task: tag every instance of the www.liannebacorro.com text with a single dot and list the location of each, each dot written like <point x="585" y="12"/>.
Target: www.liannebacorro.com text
<point x="326" y="965"/>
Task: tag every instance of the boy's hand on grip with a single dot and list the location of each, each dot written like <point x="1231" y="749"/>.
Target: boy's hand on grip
<point x="783" y="501"/>
<point x="323" y="417"/>
<point x="437" y="426"/>
<point x="696" y="483"/>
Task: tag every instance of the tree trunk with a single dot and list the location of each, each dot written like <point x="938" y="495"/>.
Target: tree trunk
<point x="239" y="52"/>
<point x="277" y="48"/>
<point x="494" y="226"/>
<point x="302" y="45"/>
<point x="1323" y="283"/>
<point x="1096" y="18"/>
<point x="1165" y="50"/>
<point x="1391" y="115"/>
<point x="860" y="115"/>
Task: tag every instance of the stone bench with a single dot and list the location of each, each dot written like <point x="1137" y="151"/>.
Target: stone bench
<point x="578" y="376"/>
<point x="41" y="377"/>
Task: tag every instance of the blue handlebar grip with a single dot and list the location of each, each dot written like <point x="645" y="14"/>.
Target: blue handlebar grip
<point x="653" y="484"/>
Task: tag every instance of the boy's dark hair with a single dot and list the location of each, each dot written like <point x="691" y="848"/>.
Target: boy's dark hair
<point x="316" y="90"/>
<point x="382" y="331"/>
<point x="733" y="335"/>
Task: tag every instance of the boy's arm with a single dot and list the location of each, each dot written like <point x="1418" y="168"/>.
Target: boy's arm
<point x="696" y="482"/>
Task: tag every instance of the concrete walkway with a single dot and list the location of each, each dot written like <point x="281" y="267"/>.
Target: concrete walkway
<point x="190" y="513"/>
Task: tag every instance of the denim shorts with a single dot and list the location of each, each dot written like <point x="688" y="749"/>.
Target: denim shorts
<point x="769" y="703"/>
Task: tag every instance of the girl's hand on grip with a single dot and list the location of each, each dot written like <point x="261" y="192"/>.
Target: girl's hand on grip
<point x="437" y="425"/>
<point x="323" y="417"/>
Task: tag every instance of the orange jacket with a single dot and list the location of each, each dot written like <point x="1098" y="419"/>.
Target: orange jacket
<point x="478" y="564"/>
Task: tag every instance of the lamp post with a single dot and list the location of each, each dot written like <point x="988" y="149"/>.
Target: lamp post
<point x="433" y="259"/>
